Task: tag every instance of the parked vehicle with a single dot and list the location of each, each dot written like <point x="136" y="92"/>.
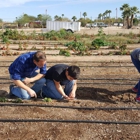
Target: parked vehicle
<point x="119" y="24"/>
<point x="88" y="25"/>
<point x="99" y="24"/>
<point x="68" y="26"/>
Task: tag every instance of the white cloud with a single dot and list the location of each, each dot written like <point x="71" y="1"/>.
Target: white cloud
<point x="10" y="3"/>
<point x="74" y="2"/>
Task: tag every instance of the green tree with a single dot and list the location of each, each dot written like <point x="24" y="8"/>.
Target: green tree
<point x="134" y="11"/>
<point x="74" y="18"/>
<point x="128" y="14"/>
<point x="84" y="14"/>
<point x="106" y="12"/>
<point x="56" y="17"/>
<point x="1" y="20"/>
<point x="125" y="14"/>
<point x="109" y="11"/>
<point x="39" y="17"/>
<point x="62" y="15"/>
<point x="100" y="16"/>
<point x="45" y="18"/>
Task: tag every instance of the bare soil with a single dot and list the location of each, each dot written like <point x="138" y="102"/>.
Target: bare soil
<point x="105" y="108"/>
<point x="100" y="85"/>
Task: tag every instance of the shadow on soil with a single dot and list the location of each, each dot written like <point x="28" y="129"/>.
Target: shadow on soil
<point x="96" y="94"/>
<point x="3" y="93"/>
<point x="105" y="95"/>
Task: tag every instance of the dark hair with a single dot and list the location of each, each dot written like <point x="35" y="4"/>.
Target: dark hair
<point x="74" y="71"/>
<point x="39" y="55"/>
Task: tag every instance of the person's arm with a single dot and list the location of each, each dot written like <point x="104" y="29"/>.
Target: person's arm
<point x="20" y="84"/>
<point x="60" y="89"/>
<point x="32" y="79"/>
<point x="73" y="92"/>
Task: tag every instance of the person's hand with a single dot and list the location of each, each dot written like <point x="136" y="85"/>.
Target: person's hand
<point x="72" y="95"/>
<point x="32" y="93"/>
<point x="27" y="81"/>
<point x="66" y="97"/>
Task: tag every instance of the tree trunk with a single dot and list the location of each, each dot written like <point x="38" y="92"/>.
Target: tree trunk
<point x="128" y="22"/>
<point x="131" y="21"/>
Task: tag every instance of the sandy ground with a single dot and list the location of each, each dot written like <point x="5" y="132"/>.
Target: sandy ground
<point x="108" y="30"/>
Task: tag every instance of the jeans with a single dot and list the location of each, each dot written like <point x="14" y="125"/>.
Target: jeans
<point x="23" y="94"/>
<point x="137" y="65"/>
<point x="49" y="90"/>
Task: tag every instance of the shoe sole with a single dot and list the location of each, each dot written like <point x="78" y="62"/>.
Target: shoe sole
<point x="134" y="91"/>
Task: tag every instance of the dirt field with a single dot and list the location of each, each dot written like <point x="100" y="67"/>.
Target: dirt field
<point x="100" y="85"/>
<point x="110" y="30"/>
<point x="105" y="108"/>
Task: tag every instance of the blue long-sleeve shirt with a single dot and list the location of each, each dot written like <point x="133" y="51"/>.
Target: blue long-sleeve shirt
<point x="24" y="66"/>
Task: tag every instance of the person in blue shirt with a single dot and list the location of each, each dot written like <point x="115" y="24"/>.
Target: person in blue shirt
<point x="61" y="82"/>
<point x="24" y="70"/>
<point x="135" y="57"/>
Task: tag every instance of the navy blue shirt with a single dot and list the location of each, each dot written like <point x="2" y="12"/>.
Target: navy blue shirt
<point x="24" y="66"/>
<point x="136" y="54"/>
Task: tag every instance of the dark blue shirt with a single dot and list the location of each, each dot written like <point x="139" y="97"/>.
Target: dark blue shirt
<point x="24" y="66"/>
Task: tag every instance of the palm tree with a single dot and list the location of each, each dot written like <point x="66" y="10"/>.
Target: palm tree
<point x="74" y="18"/>
<point x="100" y="16"/>
<point x="126" y="13"/>
<point x="56" y="17"/>
<point x="103" y="15"/>
<point x="109" y="11"/>
<point x="106" y="12"/>
<point x="84" y="14"/>
<point x="62" y="15"/>
<point x="134" y="11"/>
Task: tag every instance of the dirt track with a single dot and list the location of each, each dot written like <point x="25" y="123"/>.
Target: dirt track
<point x="109" y="30"/>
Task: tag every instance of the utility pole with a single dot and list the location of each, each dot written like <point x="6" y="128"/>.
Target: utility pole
<point x="116" y="13"/>
<point x="46" y="13"/>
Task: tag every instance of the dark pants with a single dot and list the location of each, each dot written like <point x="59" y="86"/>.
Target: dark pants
<point x="136" y="63"/>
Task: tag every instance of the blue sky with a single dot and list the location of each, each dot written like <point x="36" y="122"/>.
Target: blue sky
<point x="10" y="9"/>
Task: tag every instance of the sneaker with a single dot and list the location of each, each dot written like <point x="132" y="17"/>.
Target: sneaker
<point x="138" y="99"/>
<point x="134" y="90"/>
<point x="10" y="91"/>
<point x="40" y="94"/>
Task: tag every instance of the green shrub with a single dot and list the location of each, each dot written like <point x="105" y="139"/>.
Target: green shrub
<point x="99" y="42"/>
<point x="77" y="47"/>
<point x="64" y="52"/>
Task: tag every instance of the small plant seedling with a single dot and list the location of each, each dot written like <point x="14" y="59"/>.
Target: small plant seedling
<point x="47" y="99"/>
<point x="18" y="100"/>
<point x="3" y="99"/>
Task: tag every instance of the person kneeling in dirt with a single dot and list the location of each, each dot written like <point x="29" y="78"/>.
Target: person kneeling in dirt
<point x="58" y="76"/>
<point x="135" y="57"/>
<point x="24" y="71"/>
